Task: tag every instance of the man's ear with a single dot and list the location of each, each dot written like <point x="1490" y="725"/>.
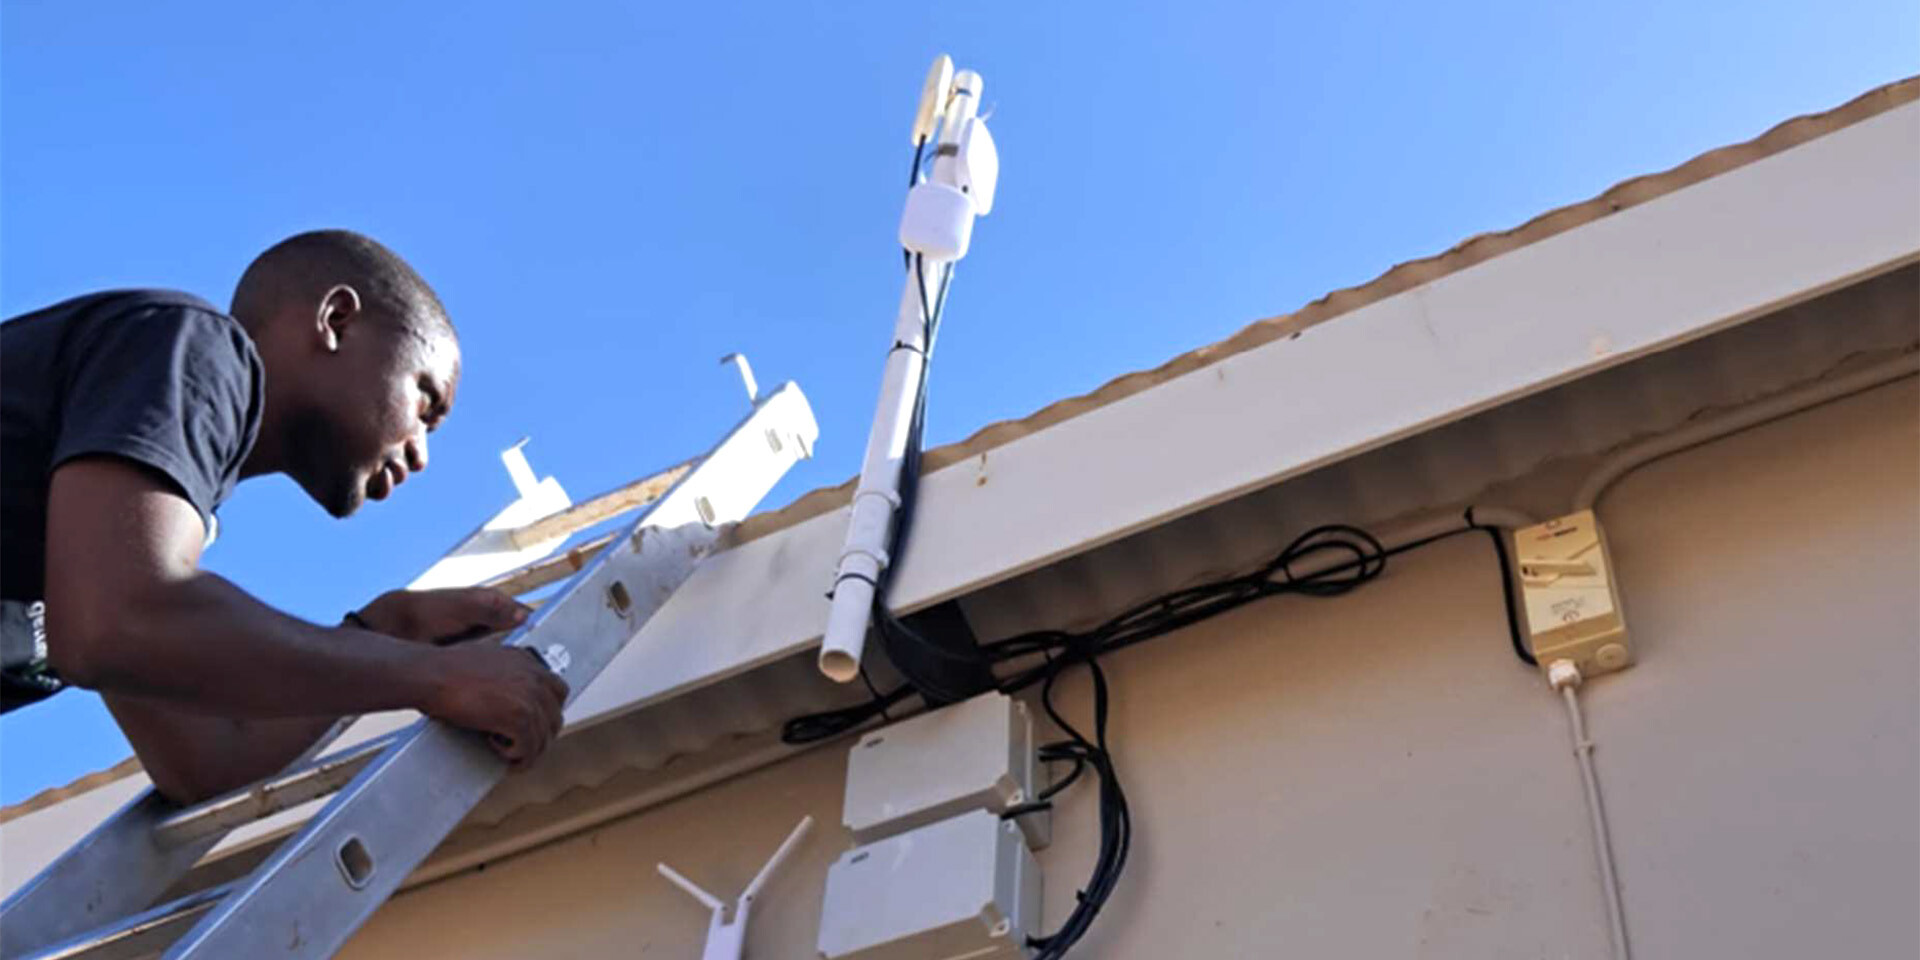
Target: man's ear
<point x="339" y="309"/>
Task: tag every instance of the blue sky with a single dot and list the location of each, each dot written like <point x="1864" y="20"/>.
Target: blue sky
<point x="609" y="197"/>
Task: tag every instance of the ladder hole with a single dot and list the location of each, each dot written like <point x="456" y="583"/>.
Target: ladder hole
<point x="618" y="597"/>
<point x="356" y="864"/>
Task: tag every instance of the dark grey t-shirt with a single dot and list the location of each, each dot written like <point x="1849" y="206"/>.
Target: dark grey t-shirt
<point x="156" y="377"/>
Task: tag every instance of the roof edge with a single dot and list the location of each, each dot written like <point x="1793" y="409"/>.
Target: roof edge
<point x="1397" y="279"/>
<point x="52" y="795"/>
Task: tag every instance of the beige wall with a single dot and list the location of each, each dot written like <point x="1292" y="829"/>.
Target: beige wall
<point x="1376" y="776"/>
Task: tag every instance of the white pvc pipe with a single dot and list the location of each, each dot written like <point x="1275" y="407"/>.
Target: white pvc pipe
<point x="877" y="496"/>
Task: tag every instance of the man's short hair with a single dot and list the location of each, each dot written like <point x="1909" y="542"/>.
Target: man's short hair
<point x="305" y="266"/>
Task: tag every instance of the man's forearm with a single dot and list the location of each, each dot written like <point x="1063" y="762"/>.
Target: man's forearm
<point x="191" y="756"/>
<point x="206" y="644"/>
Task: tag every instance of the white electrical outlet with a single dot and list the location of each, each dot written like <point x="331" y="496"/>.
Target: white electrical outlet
<point x="1570" y="600"/>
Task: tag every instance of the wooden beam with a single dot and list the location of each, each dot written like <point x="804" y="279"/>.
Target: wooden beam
<point x="589" y="512"/>
<point x="533" y="576"/>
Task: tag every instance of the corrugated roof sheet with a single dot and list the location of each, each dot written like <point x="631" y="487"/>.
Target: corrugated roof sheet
<point x="1363" y="502"/>
<point x="1403" y="277"/>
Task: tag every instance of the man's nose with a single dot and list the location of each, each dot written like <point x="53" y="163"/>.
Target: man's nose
<point x="417" y="452"/>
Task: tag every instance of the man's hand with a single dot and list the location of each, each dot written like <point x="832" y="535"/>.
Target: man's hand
<point x="505" y="692"/>
<point x="443" y="616"/>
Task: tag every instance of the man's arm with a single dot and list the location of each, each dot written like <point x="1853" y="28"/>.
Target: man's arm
<point x="192" y="756"/>
<point x="130" y="613"/>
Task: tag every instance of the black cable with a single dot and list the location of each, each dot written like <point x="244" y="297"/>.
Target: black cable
<point x="1116" y="819"/>
<point x="894" y="633"/>
<point x="913" y="173"/>
<point x="875" y="691"/>
<point x="826" y="725"/>
<point x="1499" y="538"/>
<point x="1360" y="558"/>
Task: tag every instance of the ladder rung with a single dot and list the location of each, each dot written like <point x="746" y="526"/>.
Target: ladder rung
<point x="270" y="796"/>
<point x="141" y="935"/>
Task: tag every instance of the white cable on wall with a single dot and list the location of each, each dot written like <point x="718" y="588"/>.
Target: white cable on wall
<point x="1565" y="677"/>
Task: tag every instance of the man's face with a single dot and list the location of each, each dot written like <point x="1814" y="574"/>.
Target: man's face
<point x="374" y="400"/>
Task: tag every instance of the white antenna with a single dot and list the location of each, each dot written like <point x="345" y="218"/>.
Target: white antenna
<point x="727" y="931"/>
<point x="933" y="96"/>
<point x="936" y="229"/>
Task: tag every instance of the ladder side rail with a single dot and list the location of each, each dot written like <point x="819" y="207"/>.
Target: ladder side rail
<point x="307" y="898"/>
<point x="142" y="935"/>
<point x="122" y="865"/>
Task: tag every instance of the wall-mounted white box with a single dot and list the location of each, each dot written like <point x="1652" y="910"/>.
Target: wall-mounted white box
<point x="972" y="755"/>
<point x="965" y="887"/>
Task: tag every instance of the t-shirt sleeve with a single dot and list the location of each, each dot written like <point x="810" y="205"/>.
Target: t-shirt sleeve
<point x="167" y="386"/>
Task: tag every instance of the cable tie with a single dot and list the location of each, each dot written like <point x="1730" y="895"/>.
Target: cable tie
<point x="892" y="497"/>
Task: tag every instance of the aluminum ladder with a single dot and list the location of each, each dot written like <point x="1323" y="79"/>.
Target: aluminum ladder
<point x="397" y="796"/>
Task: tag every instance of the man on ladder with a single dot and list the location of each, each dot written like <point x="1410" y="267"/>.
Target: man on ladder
<point x="127" y="417"/>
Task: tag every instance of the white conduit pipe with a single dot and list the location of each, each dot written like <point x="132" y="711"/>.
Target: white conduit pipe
<point x="956" y="193"/>
<point x="1765" y="411"/>
<point x="1565" y="677"/>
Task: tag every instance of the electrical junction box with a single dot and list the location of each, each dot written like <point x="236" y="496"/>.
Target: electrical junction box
<point x="1569" y="597"/>
<point x="965" y="888"/>
<point x="974" y="755"/>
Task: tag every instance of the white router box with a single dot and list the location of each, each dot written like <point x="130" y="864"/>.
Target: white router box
<point x="966" y="888"/>
<point x="973" y="755"/>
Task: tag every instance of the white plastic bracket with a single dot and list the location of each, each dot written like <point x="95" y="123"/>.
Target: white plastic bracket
<point x="739" y="361"/>
<point x="524" y="482"/>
